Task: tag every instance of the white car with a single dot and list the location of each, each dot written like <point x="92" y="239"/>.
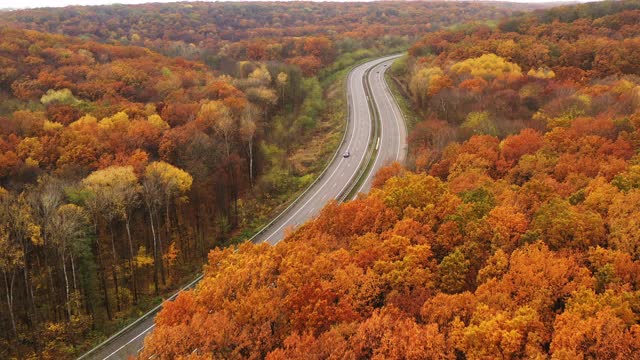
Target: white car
<point x="346" y="155"/>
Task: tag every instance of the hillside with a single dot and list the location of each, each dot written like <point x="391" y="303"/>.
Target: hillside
<point x="513" y="235"/>
<point x="134" y="139"/>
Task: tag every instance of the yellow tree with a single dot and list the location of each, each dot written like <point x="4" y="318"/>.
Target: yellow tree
<point x="18" y="232"/>
<point x="487" y="66"/>
<point x="624" y="223"/>
<point x="215" y="115"/>
<point x="499" y="334"/>
<point x="427" y="82"/>
<point x="565" y="226"/>
<point x="282" y="80"/>
<point x="598" y="326"/>
<point x="162" y="184"/>
<point x="117" y="190"/>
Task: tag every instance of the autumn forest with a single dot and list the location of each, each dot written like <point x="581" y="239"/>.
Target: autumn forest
<point x="141" y="145"/>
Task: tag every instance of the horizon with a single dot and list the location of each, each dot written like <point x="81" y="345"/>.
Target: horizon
<point x="38" y="4"/>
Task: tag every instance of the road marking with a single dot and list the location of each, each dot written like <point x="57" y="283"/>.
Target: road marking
<point x="354" y="115"/>
<point x="378" y="143"/>
<point x="373" y="168"/>
<point x="390" y="104"/>
<point x="369" y="121"/>
<point x="353" y="136"/>
<point x="130" y="341"/>
<point x="394" y="110"/>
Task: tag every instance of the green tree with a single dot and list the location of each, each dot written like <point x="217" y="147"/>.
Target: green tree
<point x="480" y="123"/>
<point x="453" y="272"/>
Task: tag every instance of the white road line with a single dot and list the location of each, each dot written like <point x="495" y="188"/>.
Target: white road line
<point x="369" y="119"/>
<point x="373" y="168"/>
<point x="353" y="135"/>
<point x="130" y="341"/>
<point x="393" y="111"/>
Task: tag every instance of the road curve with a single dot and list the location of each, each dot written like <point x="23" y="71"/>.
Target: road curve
<point x="392" y="142"/>
<point x="341" y="172"/>
<point x="337" y="179"/>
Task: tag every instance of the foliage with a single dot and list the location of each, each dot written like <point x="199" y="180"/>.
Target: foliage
<point x="134" y="139"/>
<point x="519" y="246"/>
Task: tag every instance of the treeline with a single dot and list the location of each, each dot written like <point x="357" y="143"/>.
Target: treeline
<point x="480" y="265"/>
<point x="515" y="234"/>
<point x="120" y="168"/>
<point x="530" y="71"/>
<point x="218" y="32"/>
<point x="107" y="154"/>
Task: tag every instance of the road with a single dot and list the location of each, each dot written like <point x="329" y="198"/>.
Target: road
<point x="392" y="145"/>
<point x="337" y="179"/>
<point x="341" y="173"/>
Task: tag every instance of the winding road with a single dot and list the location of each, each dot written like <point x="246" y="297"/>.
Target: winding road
<point x="369" y="138"/>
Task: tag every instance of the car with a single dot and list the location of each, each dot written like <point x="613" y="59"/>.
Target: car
<point x="346" y="155"/>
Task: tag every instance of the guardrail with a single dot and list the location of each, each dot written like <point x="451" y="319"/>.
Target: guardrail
<point x="141" y="319"/>
<point x="199" y="277"/>
<point x="362" y="169"/>
<point x="352" y="191"/>
<point x="324" y="171"/>
<point x="364" y="165"/>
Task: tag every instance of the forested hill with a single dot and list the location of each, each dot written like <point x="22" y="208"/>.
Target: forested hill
<point x="133" y="139"/>
<point x="215" y="32"/>
<point x="514" y="234"/>
<point x="192" y="22"/>
<point x="85" y="129"/>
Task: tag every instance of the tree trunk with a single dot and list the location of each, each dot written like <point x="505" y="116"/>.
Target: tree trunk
<point x="66" y="284"/>
<point x="251" y="162"/>
<point x="103" y="276"/>
<point x="114" y="267"/>
<point x="167" y="229"/>
<point x="155" y="251"/>
<point x="199" y="232"/>
<point x="235" y="204"/>
<point x="226" y="144"/>
<point x="27" y="288"/>
<point x="9" y="290"/>
<point x="75" y="286"/>
<point x="160" y="251"/>
<point x="52" y="293"/>
<point x="73" y="273"/>
<point x="131" y="267"/>
<point x="52" y="290"/>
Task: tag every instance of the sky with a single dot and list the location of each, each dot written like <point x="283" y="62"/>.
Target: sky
<point x="58" y="3"/>
<point x="19" y="4"/>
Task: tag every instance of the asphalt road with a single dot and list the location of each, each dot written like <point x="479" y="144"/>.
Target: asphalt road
<point x="335" y="180"/>
<point x="392" y="143"/>
<point x="343" y="171"/>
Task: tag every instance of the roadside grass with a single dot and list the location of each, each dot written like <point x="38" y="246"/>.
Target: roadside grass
<point x="312" y="155"/>
<point x="371" y="150"/>
<point x="314" y="152"/>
